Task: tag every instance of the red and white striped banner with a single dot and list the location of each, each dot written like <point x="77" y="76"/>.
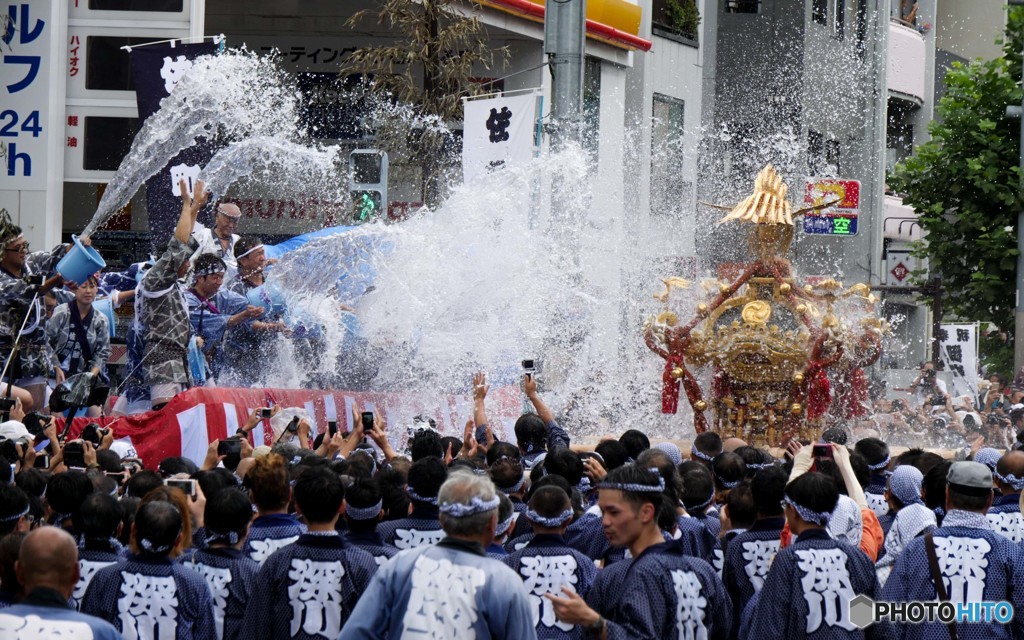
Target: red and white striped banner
<point x="192" y="420"/>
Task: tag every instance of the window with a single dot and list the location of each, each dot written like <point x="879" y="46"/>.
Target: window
<point x="678" y="17"/>
<point x="839" y="27"/>
<point x="832" y="158"/>
<point x="591" y="105"/>
<point x="107" y="141"/>
<point x="669" y="194"/>
<point x="822" y="155"/>
<point x="108" y="67"/>
<point x="862" y="28"/>
<point x="170" y="6"/>
<point x="743" y="6"/>
<point x="819" y="11"/>
<point x="815" y="152"/>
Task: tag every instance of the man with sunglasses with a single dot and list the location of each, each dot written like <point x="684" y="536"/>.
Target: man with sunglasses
<point x="25" y="278"/>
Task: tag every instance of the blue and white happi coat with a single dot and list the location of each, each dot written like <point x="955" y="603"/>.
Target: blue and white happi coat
<point x="447" y="590"/>
<point x="977" y="565"/>
<point x="209" y="319"/>
<point x="308" y="590"/>
<point x="230" y="575"/>
<point x="269" y="533"/>
<point x="1005" y="518"/>
<point x="149" y="597"/>
<point x="662" y="594"/>
<point x="371" y="543"/>
<point x="92" y="557"/>
<point x="420" y="529"/>
<point x="808" y="589"/>
<point x="748" y="558"/>
<point x="874" y="493"/>
<point x="44" y="613"/>
<point x="15" y="298"/>
<point x="546" y="564"/>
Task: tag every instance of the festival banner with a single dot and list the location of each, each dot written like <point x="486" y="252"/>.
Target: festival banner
<point x="497" y="132"/>
<point x="156" y="69"/>
<point x="187" y="424"/>
<point x="959" y="352"/>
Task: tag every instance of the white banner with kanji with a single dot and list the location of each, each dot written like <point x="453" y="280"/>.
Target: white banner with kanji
<point x="497" y="132"/>
<point x="959" y="352"/>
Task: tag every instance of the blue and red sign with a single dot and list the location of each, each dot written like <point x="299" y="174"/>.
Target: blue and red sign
<point x="839" y="219"/>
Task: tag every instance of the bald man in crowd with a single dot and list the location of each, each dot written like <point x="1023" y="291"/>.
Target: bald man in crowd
<point x="1004" y="514"/>
<point x="47" y="568"/>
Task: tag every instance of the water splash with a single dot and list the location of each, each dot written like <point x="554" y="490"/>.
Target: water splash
<point x="276" y="160"/>
<point x="232" y="96"/>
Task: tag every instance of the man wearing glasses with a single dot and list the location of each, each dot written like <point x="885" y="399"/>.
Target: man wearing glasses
<point x="25" y="278"/>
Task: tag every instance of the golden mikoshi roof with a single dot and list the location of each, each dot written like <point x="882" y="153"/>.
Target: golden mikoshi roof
<point x="768" y="203"/>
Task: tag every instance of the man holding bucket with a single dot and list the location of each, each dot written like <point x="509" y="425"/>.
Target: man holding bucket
<point x="24" y="280"/>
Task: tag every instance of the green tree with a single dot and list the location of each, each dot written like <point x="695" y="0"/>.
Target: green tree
<point x="965" y="185"/>
<point x="429" y="65"/>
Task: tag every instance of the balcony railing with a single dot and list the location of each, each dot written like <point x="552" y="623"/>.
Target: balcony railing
<point x="900" y="221"/>
<point x="907" y="62"/>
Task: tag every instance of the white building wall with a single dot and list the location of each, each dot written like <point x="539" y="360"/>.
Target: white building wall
<point x="969" y="28"/>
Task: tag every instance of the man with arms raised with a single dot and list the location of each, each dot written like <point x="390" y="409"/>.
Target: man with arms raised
<point x="160" y="307"/>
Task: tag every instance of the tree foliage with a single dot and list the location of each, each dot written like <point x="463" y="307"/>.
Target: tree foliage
<point x="429" y="65"/>
<point x="965" y="185"/>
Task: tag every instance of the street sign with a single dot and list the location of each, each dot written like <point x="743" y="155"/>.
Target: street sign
<point x="839" y="219"/>
<point x="900" y="272"/>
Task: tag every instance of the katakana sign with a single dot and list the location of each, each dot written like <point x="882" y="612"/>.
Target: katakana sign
<point x="839" y="219"/>
<point x="25" y="68"/>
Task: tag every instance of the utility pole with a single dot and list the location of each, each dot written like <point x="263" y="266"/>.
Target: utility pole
<point x="1017" y="111"/>
<point x="565" y="31"/>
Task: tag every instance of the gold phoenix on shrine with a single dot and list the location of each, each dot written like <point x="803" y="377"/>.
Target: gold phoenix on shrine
<point x="785" y="358"/>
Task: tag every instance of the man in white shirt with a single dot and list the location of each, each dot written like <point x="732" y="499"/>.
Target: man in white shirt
<point x="221" y="238"/>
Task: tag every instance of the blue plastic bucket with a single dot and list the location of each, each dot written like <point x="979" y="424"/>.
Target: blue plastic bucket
<point x="80" y="262"/>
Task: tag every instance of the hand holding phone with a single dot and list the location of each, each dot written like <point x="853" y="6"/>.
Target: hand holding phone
<point x="229" y="447"/>
<point x="822" y="450"/>
<point x="188" y="486"/>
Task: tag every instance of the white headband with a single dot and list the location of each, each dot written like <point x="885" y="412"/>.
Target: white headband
<point x="259" y="246"/>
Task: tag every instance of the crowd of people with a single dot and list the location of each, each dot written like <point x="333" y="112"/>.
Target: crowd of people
<point x="931" y="414"/>
<point x="338" y="535"/>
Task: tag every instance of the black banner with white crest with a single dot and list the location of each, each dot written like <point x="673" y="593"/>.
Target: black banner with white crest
<point x="156" y="69"/>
